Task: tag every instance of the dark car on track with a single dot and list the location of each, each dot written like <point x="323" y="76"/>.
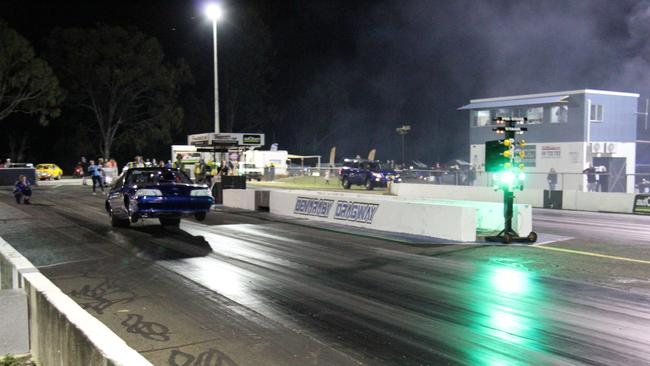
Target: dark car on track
<point x="166" y="194"/>
<point x="367" y="173"/>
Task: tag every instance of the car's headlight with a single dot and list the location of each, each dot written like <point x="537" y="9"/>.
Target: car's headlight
<point x="204" y="192"/>
<point x="378" y="175"/>
<point x="148" y="192"/>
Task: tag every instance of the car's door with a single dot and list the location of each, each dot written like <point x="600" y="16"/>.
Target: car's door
<point x="116" y="197"/>
<point x="355" y="173"/>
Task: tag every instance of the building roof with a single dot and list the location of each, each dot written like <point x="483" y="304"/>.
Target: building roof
<point x="515" y="100"/>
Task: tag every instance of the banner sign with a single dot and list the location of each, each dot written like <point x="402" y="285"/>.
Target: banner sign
<point x="549" y="152"/>
<point x="356" y="211"/>
<point x="345" y="210"/>
<point x="642" y="204"/>
<point x="313" y="207"/>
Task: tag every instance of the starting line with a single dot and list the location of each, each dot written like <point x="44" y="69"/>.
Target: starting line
<point x="593" y="254"/>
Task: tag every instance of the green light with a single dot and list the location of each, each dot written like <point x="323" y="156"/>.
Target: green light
<point x="508" y="177"/>
<point x="509" y="280"/>
<point x="521" y="176"/>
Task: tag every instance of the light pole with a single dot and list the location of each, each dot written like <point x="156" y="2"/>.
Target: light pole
<point x="214" y="13"/>
<point x="402" y="131"/>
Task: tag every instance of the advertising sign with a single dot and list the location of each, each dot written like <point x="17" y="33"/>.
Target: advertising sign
<point x="343" y="210"/>
<point x="551" y="152"/>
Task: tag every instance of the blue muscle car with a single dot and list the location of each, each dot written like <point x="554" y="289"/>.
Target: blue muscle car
<point x="163" y="193"/>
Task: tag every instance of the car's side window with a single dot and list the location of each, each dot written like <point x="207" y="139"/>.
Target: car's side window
<point x="118" y="182"/>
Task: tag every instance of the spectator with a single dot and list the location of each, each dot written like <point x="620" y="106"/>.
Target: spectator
<point x="23" y="190"/>
<point x="552" y="180"/>
<point x="84" y="169"/>
<point x="95" y="171"/>
<point x="8" y="163"/>
<point x="327" y="175"/>
<point x="223" y="169"/>
<point x="161" y="164"/>
<point x="603" y="178"/>
<point x="168" y="164"/>
<point x="178" y="164"/>
<point x="591" y="178"/>
<point x="471" y="175"/>
<point x="199" y="171"/>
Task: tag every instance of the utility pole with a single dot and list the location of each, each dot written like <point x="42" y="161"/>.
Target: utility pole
<point x="402" y="131"/>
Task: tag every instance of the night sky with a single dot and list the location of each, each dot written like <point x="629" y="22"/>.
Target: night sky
<point x="347" y="73"/>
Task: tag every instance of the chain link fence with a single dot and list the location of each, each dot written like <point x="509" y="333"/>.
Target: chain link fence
<point x="599" y="182"/>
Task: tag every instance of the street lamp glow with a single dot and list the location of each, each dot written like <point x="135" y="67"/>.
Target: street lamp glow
<point x="214" y="11"/>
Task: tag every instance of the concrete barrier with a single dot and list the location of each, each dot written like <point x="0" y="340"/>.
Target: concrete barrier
<point x="240" y="198"/>
<point x="14" y="336"/>
<point x="61" y="332"/>
<point x="385" y="214"/>
<point x="598" y="201"/>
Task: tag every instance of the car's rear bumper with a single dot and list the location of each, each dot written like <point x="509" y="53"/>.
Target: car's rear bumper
<point x="171" y="206"/>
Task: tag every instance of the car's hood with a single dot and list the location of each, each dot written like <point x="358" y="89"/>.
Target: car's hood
<point x="386" y="172"/>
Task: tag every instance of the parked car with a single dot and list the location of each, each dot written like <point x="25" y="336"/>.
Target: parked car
<point x="367" y="173"/>
<point x="250" y="171"/>
<point x="163" y="193"/>
<point x="48" y="171"/>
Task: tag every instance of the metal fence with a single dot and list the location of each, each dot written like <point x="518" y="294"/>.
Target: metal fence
<point x="604" y="182"/>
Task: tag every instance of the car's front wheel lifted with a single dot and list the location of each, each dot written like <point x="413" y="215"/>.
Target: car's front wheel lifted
<point x="532" y="237"/>
<point x="200" y="216"/>
<point x="169" y="222"/>
<point x="346" y="183"/>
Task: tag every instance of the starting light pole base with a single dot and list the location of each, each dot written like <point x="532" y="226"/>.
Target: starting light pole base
<point x="510" y="236"/>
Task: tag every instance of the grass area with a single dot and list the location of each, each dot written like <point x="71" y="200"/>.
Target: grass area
<point x="310" y="182"/>
<point x="10" y="360"/>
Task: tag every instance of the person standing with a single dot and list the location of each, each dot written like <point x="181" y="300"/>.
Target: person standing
<point x="178" y="164"/>
<point x="551" y="178"/>
<point x="603" y="178"/>
<point x="591" y="178"/>
<point x="23" y="190"/>
<point x="327" y="175"/>
<point x="84" y="170"/>
<point x="95" y="171"/>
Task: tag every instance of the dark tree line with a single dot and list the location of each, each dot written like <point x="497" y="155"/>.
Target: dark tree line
<point x="123" y="96"/>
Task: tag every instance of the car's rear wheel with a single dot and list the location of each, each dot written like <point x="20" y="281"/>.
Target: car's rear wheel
<point x="57" y="177"/>
<point x="117" y="222"/>
<point x="346" y="183"/>
<point x="369" y="185"/>
<point x="169" y="222"/>
<point x="200" y="216"/>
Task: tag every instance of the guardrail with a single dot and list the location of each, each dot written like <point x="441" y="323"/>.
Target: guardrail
<point x="60" y="331"/>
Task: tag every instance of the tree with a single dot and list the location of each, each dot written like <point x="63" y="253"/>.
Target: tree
<point x="27" y="83"/>
<point x="121" y="78"/>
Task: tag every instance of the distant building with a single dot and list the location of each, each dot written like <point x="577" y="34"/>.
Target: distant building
<point x="567" y="131"/>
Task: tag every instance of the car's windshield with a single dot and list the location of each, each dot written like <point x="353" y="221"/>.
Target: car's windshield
<point x="153" y="176"/>
<point x="43" y="166"/>
<point x="374" y="166"/>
